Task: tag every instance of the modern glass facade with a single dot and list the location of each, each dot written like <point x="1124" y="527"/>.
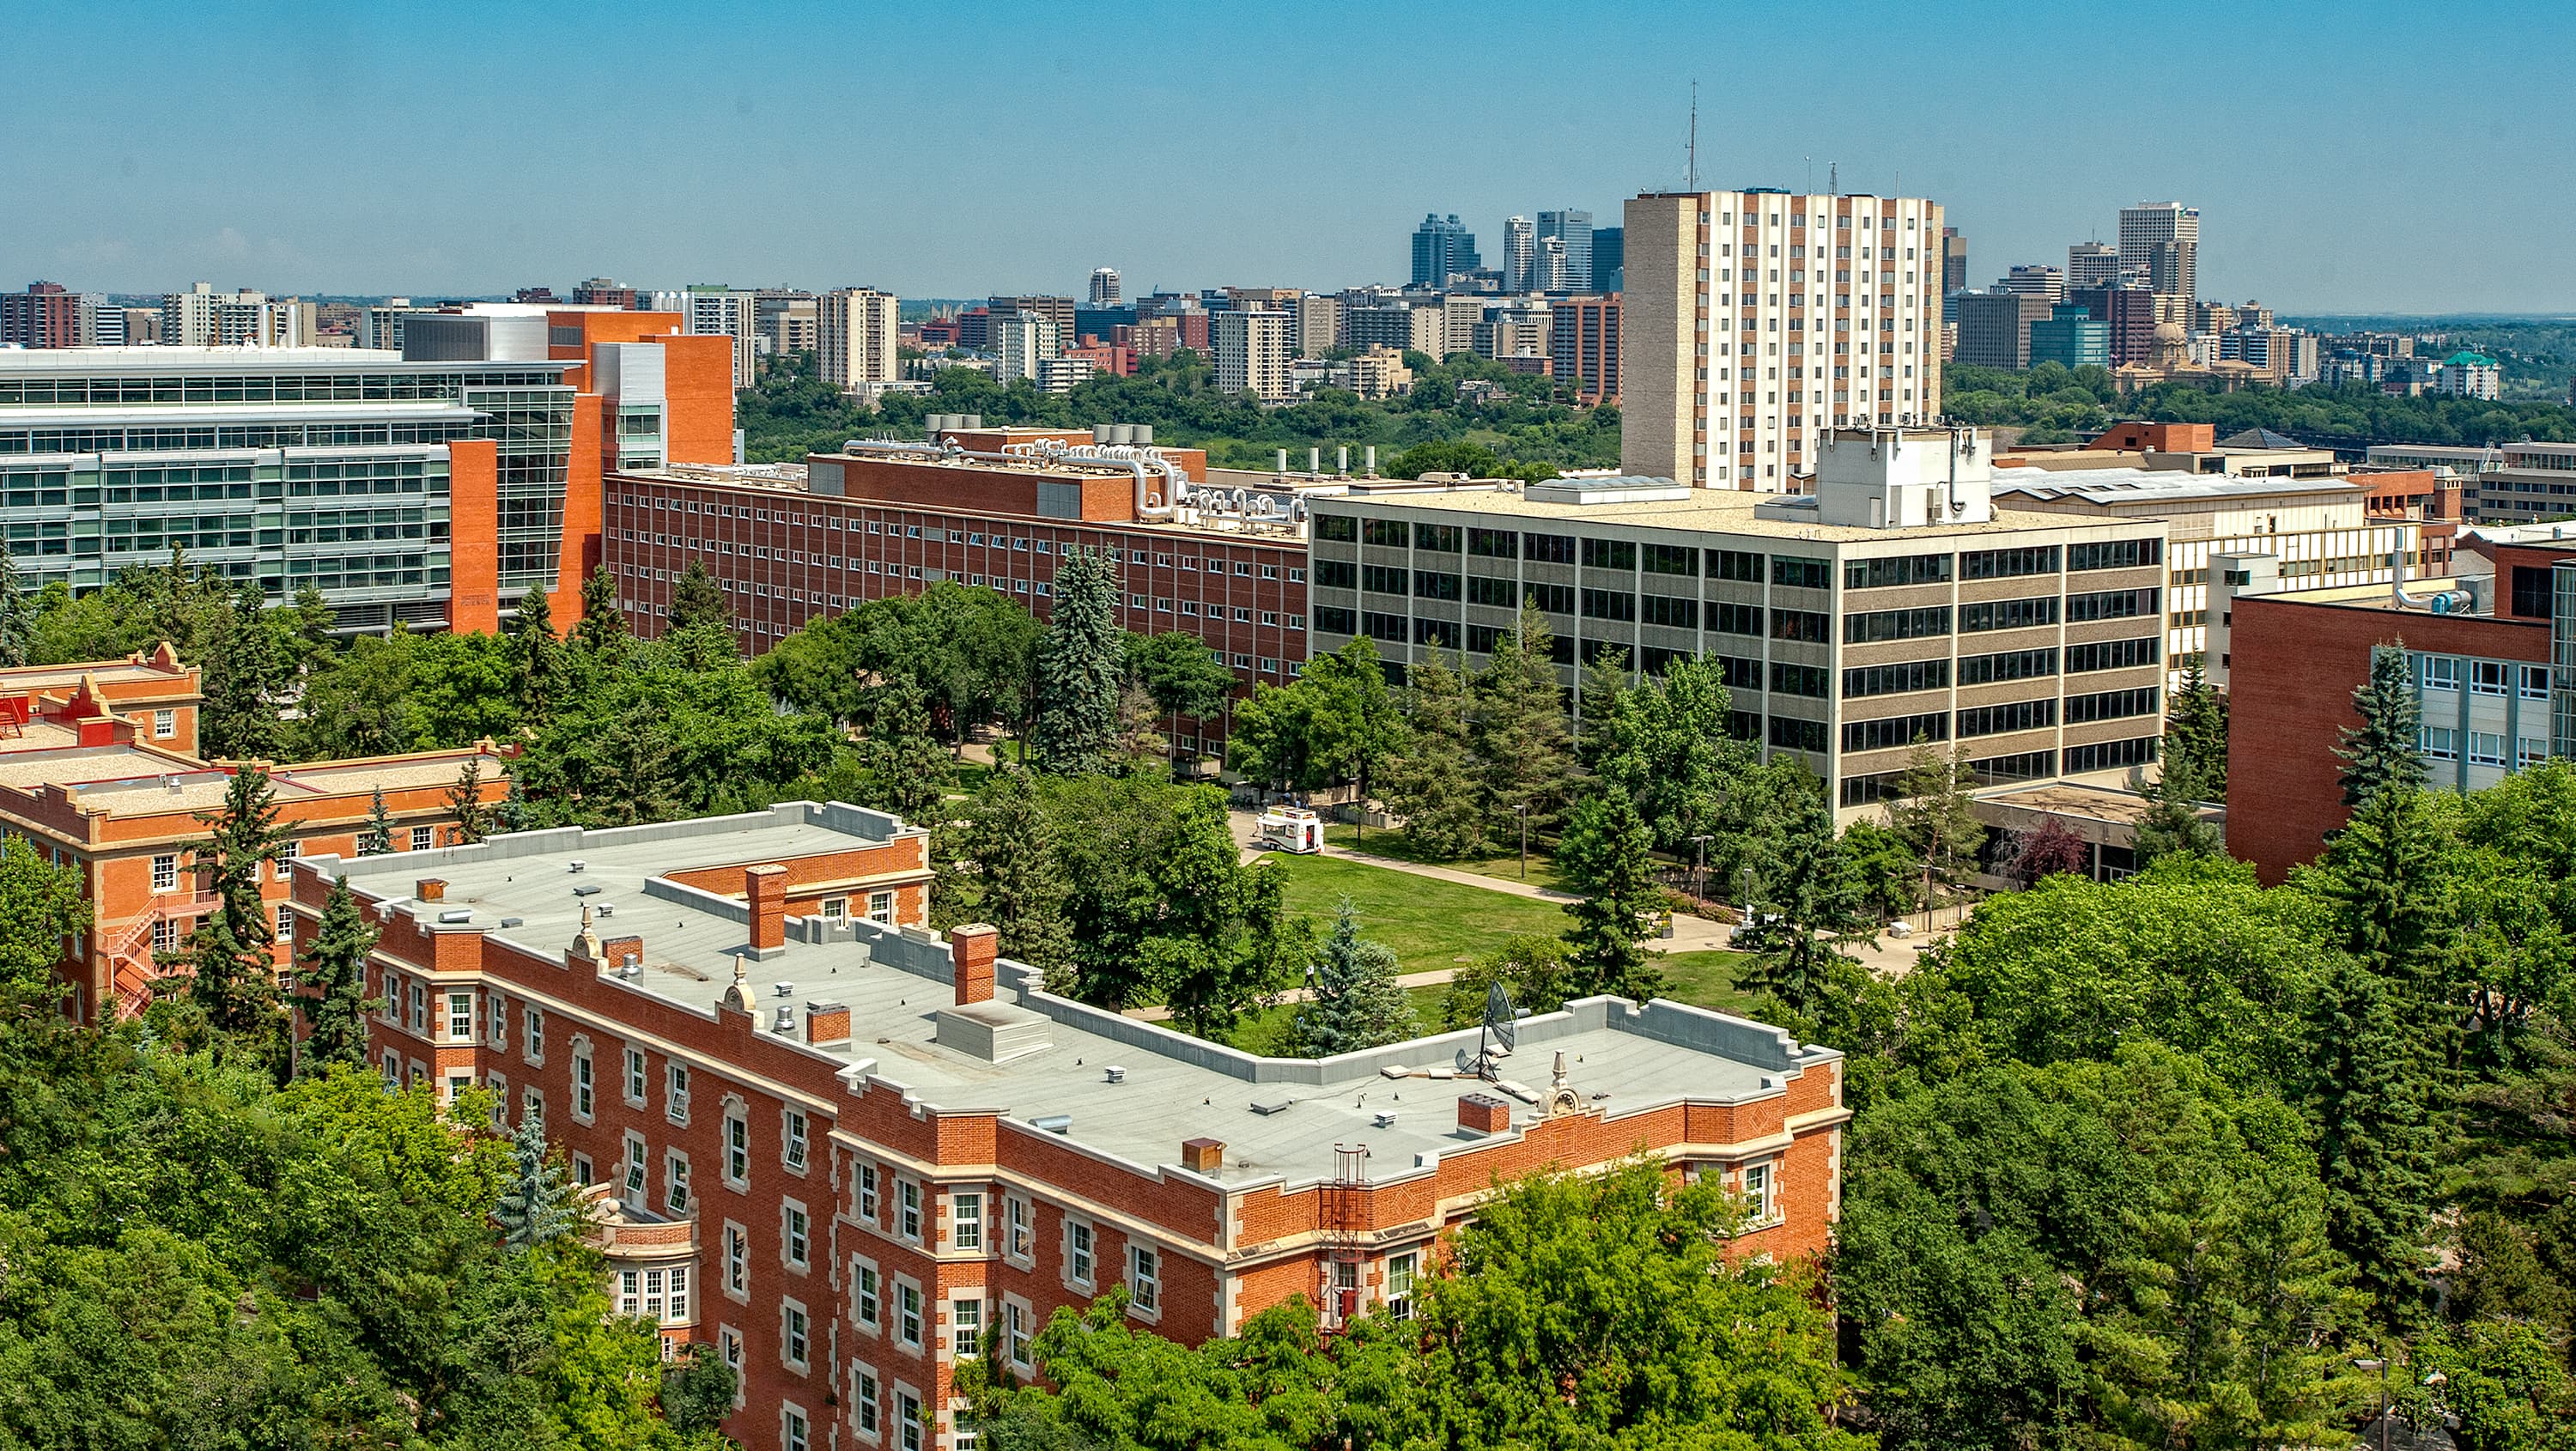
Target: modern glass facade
<point x="285" y="467"/>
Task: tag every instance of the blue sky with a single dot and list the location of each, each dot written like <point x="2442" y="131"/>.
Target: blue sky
<point x="2349" y="157"/>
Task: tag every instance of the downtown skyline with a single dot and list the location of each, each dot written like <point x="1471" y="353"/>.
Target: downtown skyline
<point x="512" y="150"/>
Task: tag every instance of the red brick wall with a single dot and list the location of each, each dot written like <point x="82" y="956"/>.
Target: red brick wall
<point x="2291" y="671"/>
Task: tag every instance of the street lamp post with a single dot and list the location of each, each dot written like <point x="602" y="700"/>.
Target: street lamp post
<point x="1748" y="895"/>
<point x="1523" y="809"/>
<point x="1699" y="872"/>
<point x="2380" y="1365"/>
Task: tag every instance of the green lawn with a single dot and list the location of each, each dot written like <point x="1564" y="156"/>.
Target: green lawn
<point x="1505" y="866"/>
<point x="1430" y="924"/>
<point x="1707" y="980"/>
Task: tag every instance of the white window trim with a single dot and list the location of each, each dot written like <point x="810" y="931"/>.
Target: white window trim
<point x="724" y="1251"/>
<point x="872" y="1327"/>
<point x="1020" y="1204"/>
<point x="1020" y="1305"/>
<point x="1151" y="1314"/>
<point x="581" y="1058"/>
<point x="795" y="1152"/>
<point x="730" y="1339"/>
<point x="786" y="1239"/>
<point x="1064" y="1255"/>
<point x="965" y="1294"/>
<point x="787" y="1305"/>
<point x="903" y="1285"/>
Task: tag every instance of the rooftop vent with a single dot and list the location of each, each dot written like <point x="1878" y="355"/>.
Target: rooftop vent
<point x="783" y="989"/>
<point x="1202" y="1156"/>
<point x="514" y="921"/>
<point x="576" y="864"/>
<point x="1268" y="1106"/>
<point x="1384" y="1119"/>
<point x="430" y="889"/>
<point x="457" y="914"/>
<point x="784" y="1024"/>
<point x="1054" y="1123"/>
<point x="586" y="891"/>
<point x="1117" y="1074"/>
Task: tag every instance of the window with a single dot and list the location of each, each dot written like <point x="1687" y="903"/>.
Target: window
<point x="1386" y="533"/>
<point x="632" y="1188"/>
<point x="1735" y="564"/>
<point x="729" y="1349"/>
<point x="907" y="1313"/>
<point x="966" y="1220"/>
<point x="2441" y="672"/>
<point x="1800" y="573"/>
<point x="798" y="1227"/>
<point x="2008" y="665"/>
<point x="907" y="1421"/>
<point x="165" y="872"/>
<point x="793" y="1140"/>
<point x="1145" y="1280"/>
<point x="1428" y="584"/>
<point x="2018" y="715"/>
<point x="1807" y="680"/>
<point x="1022" y="1240"/>
<point x="863" y="1392"/>
<point x="868" y="1209"/>
<point x="1619" y="554"/>
<point x="2113" y="654"/>
<point x="460" y="1015"/>
<point x="966" y="1328"/>
<point x="2117" y="604"/>
<point x="1337" y="574"/>
<point x="2008" y="563"/>
<point x="2440" y="743"/>
<point x="635" y="1087"/>
<point x="1761" y="1204"/>
<point x="866" y="1295"/>
<point x="2115" y="554"/>
<point x="1077" y="1258"/>
<point x="881" y="908"/>
<point x="2488" y="677"/>
<point x="496" y="1020"/>
<point x="675" y="1191"/>
<point x="1399" y="1285"/>
<point x="1385" y="579"/>
<point x="907" y="1210"/>
<point x="1548" y="548"/>
<point x="285" y="921"/>
<point x="1441" y="537"/>
<point x="1894" y="731"/>
<point x="1494" y="543"/>
<point x="1679" y="559"/>
<point x="1804" y="626"/>
<point x="2111" y="705"/>
<point x="2110" y="755"/>
<point x="737" y="1146"/>
<point x="1876" y="625"/>
<point x="737" y="1260"/>
<point x="2486" y="748"/>
<point x="422" y="838"/>
<point x="792" y="1346"/>
<point x="583" y="1094"/>
<point x="1899" y="679"/>
<point x="2022" y="766"/>
<point x="165" y="724"/>
<point x="1729" y="618"/>
<point x="675" y="1096"/>
<point x="792" y="1431"/>
<point x="1798" y="735"/>
<point x="1902" y="569"/>
<point x="420" y="1009"/>
<point x="1016" y="1318"/>
<point x="2019" y="614"/>
<point x="1604" y="604"/>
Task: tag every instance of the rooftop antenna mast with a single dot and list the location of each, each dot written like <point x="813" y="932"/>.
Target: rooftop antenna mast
<point x="1690" y="153"/>
<point x="1834" y="178"/>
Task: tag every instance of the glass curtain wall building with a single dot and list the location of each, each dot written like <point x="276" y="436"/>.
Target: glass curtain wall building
<point x="284" y="467"/>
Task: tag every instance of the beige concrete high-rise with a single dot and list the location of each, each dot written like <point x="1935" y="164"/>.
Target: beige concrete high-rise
<point x="2162" y="240"/>
<point x="855" y="337"/>
<point x="1755" y="320"/>
<point x="1252" y="351"/>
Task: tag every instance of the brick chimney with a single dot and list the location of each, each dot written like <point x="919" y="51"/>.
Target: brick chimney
<point x="1202" y="1156"/>
<point x="765" y="888"/>
<point x="971" y="949"/>
<point x="827" y="1024"/>
<point x="1482" y="1113"/>
<point x="614" y="952"/>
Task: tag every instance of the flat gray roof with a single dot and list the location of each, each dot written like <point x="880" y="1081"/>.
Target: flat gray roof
<point x="1622" y="1057"/>
<point x="2134" y="485"/>
<point x="1706" y="511"/>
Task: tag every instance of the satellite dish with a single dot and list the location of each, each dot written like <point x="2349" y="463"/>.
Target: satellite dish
<point x="1499" y="1019"/>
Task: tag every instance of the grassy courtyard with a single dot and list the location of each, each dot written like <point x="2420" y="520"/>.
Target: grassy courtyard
<point x="1429" y="924"/>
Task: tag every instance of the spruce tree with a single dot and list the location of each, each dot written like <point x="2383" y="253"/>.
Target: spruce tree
<point x="698" y="602"/>
<point x="1811" y="907"/>
<point x="2173" y="825"/>
<point x="472" y="815"/>
<point x="2386" y="750"/>
<point x="1020" y="886"/>
<point x="313" y="620"/>
<point x="378" y="837"/>
<point x="540" y="1205"/>
<point x="1522" y="736"/>
<point x="1081" y="671"/>
<point x="334" y="1002"/>
<point x="600" y="634"/>
<point x="2196" y="725"/>
<point x="536" y="658"/>
<point x="17" y="614"/>
<point x="1357" y="1002"/>
<point x="230" y="957"/>
<point x="245" y="665"/>
<point x="1433" y="785"/>
<point x="909" y="772"/>
<point x="1932" y="815"/>
<point x="1605" y="856"/>
<point x="2376" y="1139"/>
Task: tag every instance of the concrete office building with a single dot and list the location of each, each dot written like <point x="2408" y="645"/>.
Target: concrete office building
<point x="1755" y="320"/>
<point x="1441" y="248"/>
<point x="851" y="1197"/>
<point x="1422" y="329"/>
<point x="1104" y="287"/>
<point x="855" y="337"/>
<point x="1583" y="347"/>
<point x="1954" y="261"/>
<point x="2529" y="483"/>
<point x="1572" y="232"/>
<point x="1252" y="353"/>
<point x="1609" y="259"/>
<point x="2070" y="336"/>
<point x="2091" y="264"/>
<point x="1994" y="327"/>
<point x="2132" y="314"/>
<point x="1893" y="604"/>
<point x="2161" y="241"/>
<point x="2036" y="279"/>
<point x="1520" y="255"/>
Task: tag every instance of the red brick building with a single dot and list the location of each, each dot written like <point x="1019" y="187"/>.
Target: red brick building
<point x="791" y="545"/>
<point x="850" y="1154"/>
<point x="2480" y="668"/>
<point x="46" y="315"/>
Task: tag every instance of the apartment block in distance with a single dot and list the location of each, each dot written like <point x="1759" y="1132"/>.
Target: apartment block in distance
<point x="855" y="338"/>
<point x="1583" y="347"/>
<point x="99" y="771"/>
<point x="1756" y="320"/>
<point x="793" y="544"/>
<point x="1895" y="604"/>
<point x="852" y="1156"/>
<point x="1252" y="353"/>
